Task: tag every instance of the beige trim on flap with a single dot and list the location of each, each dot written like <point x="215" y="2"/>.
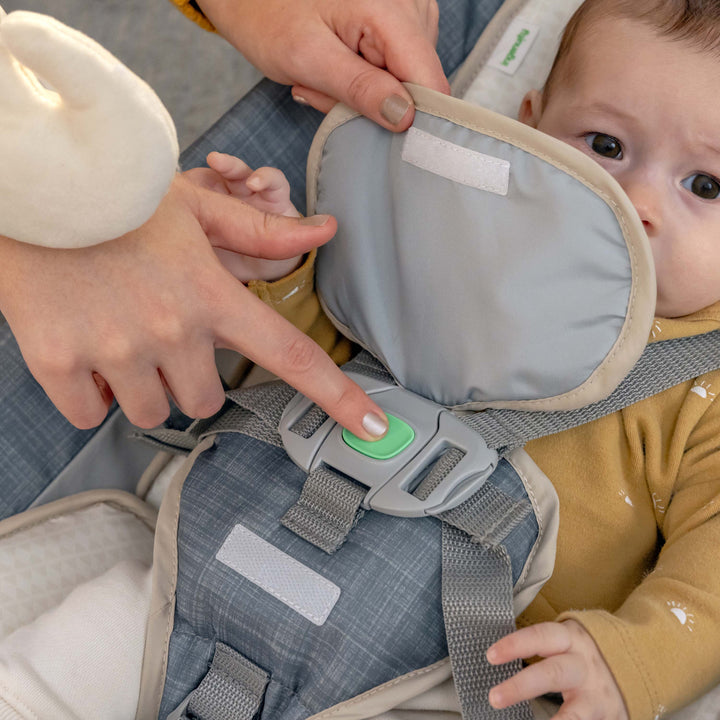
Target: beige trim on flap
<point x="162" y="601"/>
<point x="634" y="334"/>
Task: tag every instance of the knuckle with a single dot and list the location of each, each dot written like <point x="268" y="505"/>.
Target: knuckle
<point x="361" y="86"/>
<point x="87" y="418"/>
<point x="169" y="332"/>
<point x="207" y="406"/>
<point x="149" y="416"/>
<point x="299" y="355"/>
<point x="555" y="673"/>
<point x="54" y="362"/>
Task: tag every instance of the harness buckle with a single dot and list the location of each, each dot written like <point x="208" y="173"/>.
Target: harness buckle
<point x="393" y="480"/>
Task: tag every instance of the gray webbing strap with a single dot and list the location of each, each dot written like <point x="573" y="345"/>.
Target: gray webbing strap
<point x="661" y="366"/>
<point x="233" y="689"/>
<point x="478" y="610"/>
<point x="328" y="508"/>
<point x="477" y="596"/>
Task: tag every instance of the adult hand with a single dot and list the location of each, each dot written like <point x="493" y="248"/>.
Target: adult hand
<point x="573" y="667"/>
<point x="353" y="51"/>
<point x="142" y="314"/>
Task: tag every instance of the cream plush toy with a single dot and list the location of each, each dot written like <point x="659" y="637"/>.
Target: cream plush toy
<point x="88" y="149"/>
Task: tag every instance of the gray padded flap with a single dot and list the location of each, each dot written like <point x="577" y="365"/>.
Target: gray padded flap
<point x="468" y="295"/>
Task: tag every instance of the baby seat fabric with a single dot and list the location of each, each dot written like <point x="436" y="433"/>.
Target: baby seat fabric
<point x="314" y="600"/>
<point x="224" y="504"/>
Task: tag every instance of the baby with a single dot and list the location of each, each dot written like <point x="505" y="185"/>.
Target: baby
<point x="629" y="624"/>
<point x="634" y="86"/>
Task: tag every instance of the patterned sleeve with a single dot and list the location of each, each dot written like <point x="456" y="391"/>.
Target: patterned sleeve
<point x="294" y="297"/>
<point x="663" y="642"/>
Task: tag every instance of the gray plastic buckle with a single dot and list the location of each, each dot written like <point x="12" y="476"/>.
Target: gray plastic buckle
<point x="391" y="482"/>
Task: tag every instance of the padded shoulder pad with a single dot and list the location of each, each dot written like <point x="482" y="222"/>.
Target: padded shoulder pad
<point x="484" y="263"/>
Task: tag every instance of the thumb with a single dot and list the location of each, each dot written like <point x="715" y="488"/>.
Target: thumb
<point x="232" y="224"/>
<point x="354" y="81"/>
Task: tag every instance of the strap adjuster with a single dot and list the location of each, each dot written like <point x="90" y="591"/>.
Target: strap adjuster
<point x="391" y="482"/>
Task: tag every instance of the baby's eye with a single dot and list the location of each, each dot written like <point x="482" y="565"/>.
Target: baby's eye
<point x="704" y="186"/>
<point x="605" y="145"/>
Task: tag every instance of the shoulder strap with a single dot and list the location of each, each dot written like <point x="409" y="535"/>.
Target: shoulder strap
<point x="661" y="366"/>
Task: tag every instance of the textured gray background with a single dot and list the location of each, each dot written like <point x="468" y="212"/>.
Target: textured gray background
<point x="196" y="74"/>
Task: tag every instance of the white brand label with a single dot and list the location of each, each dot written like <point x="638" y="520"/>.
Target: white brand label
<point x="279" y="574"/>
<point x="455" y="162"/>
<point x="514" y="46"/>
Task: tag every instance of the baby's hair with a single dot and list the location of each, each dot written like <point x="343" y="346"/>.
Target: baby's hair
<point x="696" y="22"/>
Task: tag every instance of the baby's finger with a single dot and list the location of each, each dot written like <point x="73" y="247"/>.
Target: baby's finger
<point x="268" y="180"/>
<point x="556" y="674"/>
<point x="543" y="639"/>
<point x="230" y="167"/>
<point x="583" y="707"/>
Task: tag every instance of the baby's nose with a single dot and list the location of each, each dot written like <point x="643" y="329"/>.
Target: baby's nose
<point x="646" y="198"/>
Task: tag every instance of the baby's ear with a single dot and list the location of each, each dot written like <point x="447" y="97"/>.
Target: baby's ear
<point x="531" y="108"/>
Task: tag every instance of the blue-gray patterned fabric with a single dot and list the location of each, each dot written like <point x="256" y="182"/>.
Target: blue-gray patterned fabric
<point x="36" y="442"/>
<point x="388" y="620"/>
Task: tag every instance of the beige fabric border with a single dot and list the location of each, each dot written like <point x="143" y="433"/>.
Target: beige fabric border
<point x="541" y="561"/>
<point x="162" y="601"/>
<point x="390" y="694"/>
<point x="634" y="334"/>
<point x="156" y="466"/>
<point x="64" y="506"/>
<point x="484" y="47"/>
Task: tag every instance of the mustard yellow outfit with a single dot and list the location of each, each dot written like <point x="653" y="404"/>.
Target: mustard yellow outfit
<point x="638" y="556"/>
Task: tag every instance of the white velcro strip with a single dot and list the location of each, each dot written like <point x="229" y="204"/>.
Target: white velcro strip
<point x="299" y="587"/>
<point x="455" y="162"/>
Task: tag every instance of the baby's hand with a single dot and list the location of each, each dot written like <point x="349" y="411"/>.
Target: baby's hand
<point x="573" y="667"/>
<point x="266" y="189"/>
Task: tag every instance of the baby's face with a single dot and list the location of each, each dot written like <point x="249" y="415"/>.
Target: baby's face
<point x="648" y="110"/>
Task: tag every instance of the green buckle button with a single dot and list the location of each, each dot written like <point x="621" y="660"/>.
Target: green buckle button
<point x="397" y="438"/>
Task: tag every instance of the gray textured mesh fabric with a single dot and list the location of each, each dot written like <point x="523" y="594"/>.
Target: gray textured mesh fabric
<point x="478" y="610"/>
<point x="326" y="511"/>
<point x="310" y="422"/>
<point x="439" y="471"/>
<point x="267" y="401"/>
<point x="473" y="515"/>
<point x="365" y="364"/>
<point x="233" y="689"/>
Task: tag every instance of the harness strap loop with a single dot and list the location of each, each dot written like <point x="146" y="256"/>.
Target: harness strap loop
<point x="328" y="508"/>
<point x="233" y="689"/>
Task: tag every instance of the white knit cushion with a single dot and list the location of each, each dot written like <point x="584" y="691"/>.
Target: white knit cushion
<point x="41" y="564"/>
<point x="85" y="161"/>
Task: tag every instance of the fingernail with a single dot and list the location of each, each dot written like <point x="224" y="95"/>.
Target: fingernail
<point x="495" y="698"/>
<point x="314" y="220"/>
<point x="393" y="108"/>
<point x="491" y="654"/>
<point x="299" y="99"/>
<point x="375" y="425"/>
